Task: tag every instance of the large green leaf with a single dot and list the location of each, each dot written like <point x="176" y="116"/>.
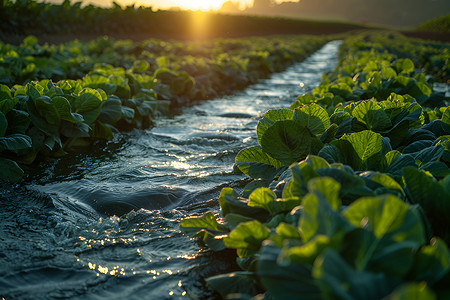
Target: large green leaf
<point x="404" y="65"/>
<point x="284" y="280"/>
<point x="366" y="143"/>
<point x="10" y="170"/>
<point x="270" y="117"/>
<point x="340" y="151"/>
<point x="400" y="162"/>
<point x="47" y="110"/>
<point x="432" y="196"/>
<point x="74" y="130"/>
<point x="390" y="232"/>
<point x="372" y="115"/>
<point x="5" y="92"/>
<point x="18" y="121"/>
<point x="266" y="198"/>
<point x="430" y="154"/>
<point x="296" y="187"/>
<point x="34" y="90"/>
<point x="230" y="203"/>
<point x="208" y="221"/>
<point x="320" y="218"/>
<point x="286" y="141"/>
<point x="3" y="124"/>
<point x="15" y="142"/>
<point x="388" y="218"/>
<point x="87" y="100"/>
<point x="432" y="262"/>
<point x="64" y="110"/>
<point x="328" y="188"/>
<point x="386" y="181"/>
<point x="307" y="252"/>
<point x="254" y="162"/>
<point x="101" y="131"/>
<point x="207" y="228"/>
<point x="111" y="110"/>
<point x="127" y="112"/>
<point x="316" y="162"/>
<point x="7" y="102"/>
<point x="242" y="283"/>
<point x="247" y="236"/>
<point x="98" y="81"/>
<point x="314" y="117"/>
<point x="37" y="120"/>
<point x="351" y="185"/>
<point x="338" y="280"/>
<point x="412" y="291"/>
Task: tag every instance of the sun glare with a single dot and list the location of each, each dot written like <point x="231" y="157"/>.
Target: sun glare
<point x="203" y="5"/>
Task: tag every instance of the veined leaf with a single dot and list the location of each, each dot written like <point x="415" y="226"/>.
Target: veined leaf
<point x="266" y="198"/>
<point x="270" y="117"/>
<point x="87" y="100"/>
<point x="7" y="102"/>
<point x="15" y="142"/>
<point x="387" y="217"/>
<point x="230" y="203"/>
<point x="319" y="218"/>
<point x="248" y="236"/>
<point x="64" y="110"/>
<point x="207" y="228"/>
<point x="207" y="221"/>
<point x="372" y="115"/>
<point x="47" y="110"/>
<point x="286" y="141"/>
<point x="254" y="162"/>
<point x="314" y="117"/>
<point x="366" y="143"/>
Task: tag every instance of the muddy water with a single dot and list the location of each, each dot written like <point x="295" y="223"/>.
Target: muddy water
<point x="60" y="236"/>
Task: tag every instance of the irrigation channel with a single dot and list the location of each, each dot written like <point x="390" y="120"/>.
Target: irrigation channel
<point x="59" y="237"/>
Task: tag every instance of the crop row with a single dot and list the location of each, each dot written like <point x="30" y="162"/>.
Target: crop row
<point x="48" y="106"/>
<point x="24" y="17"/>
<point x="350" y="197"/>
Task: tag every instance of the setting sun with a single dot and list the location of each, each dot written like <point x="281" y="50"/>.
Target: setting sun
<point x="203" y="5"/>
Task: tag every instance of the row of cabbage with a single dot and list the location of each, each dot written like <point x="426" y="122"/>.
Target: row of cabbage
<point x="79" y="18"/>
<point x="48" y="106"/>
<point x="350" y="197"/>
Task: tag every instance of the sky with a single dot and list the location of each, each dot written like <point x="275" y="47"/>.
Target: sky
<point x="188" y="4"/>
<point x="163" y="4"/>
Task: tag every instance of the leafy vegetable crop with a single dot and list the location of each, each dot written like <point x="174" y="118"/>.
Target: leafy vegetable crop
<point x="350" y="197"/>
<point x="54" y="99"/>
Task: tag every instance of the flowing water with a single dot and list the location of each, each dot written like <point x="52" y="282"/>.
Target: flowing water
<point x="60" y="236"/>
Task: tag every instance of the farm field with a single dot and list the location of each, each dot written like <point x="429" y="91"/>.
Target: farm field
<point x="350" y="192"/>
<point x="247" y="162"/>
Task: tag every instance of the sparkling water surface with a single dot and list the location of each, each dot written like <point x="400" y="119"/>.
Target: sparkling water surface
<point x="105" y="223"/>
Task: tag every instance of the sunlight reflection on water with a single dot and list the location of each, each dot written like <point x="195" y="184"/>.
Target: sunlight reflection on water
<point x="61" y="243"/>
